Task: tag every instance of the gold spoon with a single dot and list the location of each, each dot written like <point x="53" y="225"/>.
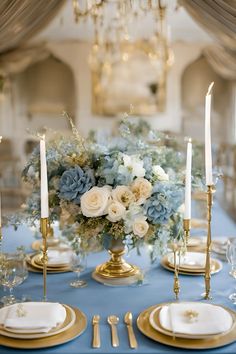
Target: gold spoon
<point x="128" y="321"/>
<point x="113" y="321"/>
<point x="96" y="332"/>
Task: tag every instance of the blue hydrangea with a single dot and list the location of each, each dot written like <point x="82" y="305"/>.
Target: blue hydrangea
<point x="164" y="202"/>
<point x="108" y="170"/>
<point x="75" y="182"/>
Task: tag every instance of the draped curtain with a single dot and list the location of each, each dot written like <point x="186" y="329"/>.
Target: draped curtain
<point x="19" y="21"/>
<point x="218" y="18"/>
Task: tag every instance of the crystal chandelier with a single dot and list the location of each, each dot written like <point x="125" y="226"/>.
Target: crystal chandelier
<point x="115" y="35"/>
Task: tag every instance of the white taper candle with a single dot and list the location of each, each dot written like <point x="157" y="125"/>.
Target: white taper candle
<point x="208" y="156"/>
<point x="188" y="182"/>
<point x="43" y="179"/>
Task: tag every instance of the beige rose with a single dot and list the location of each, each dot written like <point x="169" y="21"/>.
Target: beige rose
<point x="140" y="227"/>
<point x="142" y="189"/>
<point x="123" y="195"/>
<point x="95" y="202"/>
<point x="115" y="211"/>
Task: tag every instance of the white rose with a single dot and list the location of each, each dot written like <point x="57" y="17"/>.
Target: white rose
<point x="160" y="173"/>
<point x="142" y="190"/>
<point x="123" y="195"/>
<point x="115" y="211"/>
<point x="95" y="202"/>
<point x="140" y="227"/>
<point x="134" y="165"/>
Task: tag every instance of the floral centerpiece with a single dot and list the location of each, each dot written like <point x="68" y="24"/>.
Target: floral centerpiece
<point x="124" y="190"/>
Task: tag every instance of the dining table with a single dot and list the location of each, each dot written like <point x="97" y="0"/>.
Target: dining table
<point x="96" y="298"/>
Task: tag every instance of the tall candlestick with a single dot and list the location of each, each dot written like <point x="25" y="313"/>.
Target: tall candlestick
<point x="43" y="179"/>
<point x="187" y="211"/>
<point x="208" y="157"/>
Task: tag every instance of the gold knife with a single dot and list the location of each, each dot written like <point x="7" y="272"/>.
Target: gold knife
<point x="96" y="332"/>
<point x="128" y="321"/>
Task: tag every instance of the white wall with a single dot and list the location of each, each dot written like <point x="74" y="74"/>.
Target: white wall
<point x="13" y="120"/>
<point x="75" y="54"/>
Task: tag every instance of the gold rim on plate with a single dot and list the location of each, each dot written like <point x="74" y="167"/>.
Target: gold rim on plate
<point x="216" y="267"/>
<point x="211" y="342"/>
<point x="38" y="261"/>
<point x="69" y="321"/>
<point x="74" y="331"/>
<point x="33" y="267"/>
<point x="156" y="324"/>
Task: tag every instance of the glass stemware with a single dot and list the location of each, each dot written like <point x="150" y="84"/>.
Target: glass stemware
<point x="231" y="257"/>
<point x="13" y="273"/>
<point x="78" y="263"/>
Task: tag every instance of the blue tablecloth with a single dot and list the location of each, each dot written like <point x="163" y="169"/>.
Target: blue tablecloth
<point x="99" y="299"/>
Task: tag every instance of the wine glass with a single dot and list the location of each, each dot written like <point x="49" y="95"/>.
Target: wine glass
<point x="78" y="263"/>
<point x="13" y="273"/>
<point x="231" y="257"/>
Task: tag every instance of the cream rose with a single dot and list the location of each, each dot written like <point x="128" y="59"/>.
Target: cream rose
<point x="140" y="227"/>
<point x="142" y="189"/>
<point x="123" y="195"/>
<point x="115" y="211"/>
<point x="95" y="202"/>
<point x="160" y="173"/>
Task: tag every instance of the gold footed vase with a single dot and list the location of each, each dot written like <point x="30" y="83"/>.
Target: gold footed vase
<point x="117" y="267"/>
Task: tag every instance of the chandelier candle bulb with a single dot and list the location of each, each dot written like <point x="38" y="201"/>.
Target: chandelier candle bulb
<point x="43" y="179"/>
<point x="208" y="156"/>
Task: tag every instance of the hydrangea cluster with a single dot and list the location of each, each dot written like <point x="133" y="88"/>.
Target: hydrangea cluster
<point x="74" y="182"/>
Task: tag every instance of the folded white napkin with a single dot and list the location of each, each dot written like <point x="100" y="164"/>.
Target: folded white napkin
<point x="57" y="257"/>
<point x="33" y="316"/>
<point x="189" y="260"/>
<point x="210" y="319"/>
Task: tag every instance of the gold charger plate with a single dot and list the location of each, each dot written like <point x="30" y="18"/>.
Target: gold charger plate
<point x="74" y="331"/>
<point x="212" y="342"/>
<point x="216" y="267"/>
<point x="69" y="321"/>
<point x="38" y="261"/>
<point x="156" y="324"/>
<point x="33" y="267"/>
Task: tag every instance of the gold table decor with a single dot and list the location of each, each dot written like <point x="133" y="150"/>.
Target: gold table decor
<point x="210" y="342"/>
<point x="116" y="267"/>
<point x="38" y="268"/>
<point x="44" y="232"/>
<point x="207" y="295"/>
<point x="74" y="331"/>
<point x="176" y="286"/>
<point x="186" y="227"/>
<point x="216" y="267"/>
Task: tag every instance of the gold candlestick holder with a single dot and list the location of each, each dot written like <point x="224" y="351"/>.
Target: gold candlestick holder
<point x="44" y="232"/>
<point x="187" y="228"/>
<point x="207" y="295"/>
<point x="176" y="286"/>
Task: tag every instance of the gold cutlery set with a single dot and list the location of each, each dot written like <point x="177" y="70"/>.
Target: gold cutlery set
<point x="113" y="321"/>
